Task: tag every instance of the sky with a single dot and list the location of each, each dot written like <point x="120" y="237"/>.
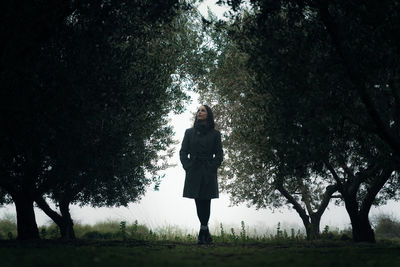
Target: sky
<point x="167" y="208"/>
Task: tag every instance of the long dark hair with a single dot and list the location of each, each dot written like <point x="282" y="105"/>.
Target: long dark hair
<point x="210" y="119"/>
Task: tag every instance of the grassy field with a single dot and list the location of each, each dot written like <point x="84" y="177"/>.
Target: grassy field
<point x="164" y="253"/>
<point x="114" y="243"/>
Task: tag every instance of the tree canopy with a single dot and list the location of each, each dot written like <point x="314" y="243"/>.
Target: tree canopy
<point x="88" y="86"/>
<point x="295" y="116"/>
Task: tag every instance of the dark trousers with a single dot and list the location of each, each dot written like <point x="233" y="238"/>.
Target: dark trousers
<point x="203" y="210"/>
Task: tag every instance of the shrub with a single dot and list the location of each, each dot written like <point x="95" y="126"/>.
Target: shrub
<point x="336" y="234"/>
<point x="53" y="232"/>
<point x="387" y="227"/>
<point x="326" y="234"/>
<point x="110" y="226"/>
<point x="93" y="235"/>
<point x="80" y="229"/>
<point x="8" y="228"/>
<point x="139" y="231"/>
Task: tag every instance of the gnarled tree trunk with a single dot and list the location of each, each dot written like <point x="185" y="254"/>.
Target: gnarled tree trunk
<point x="63" y="221"/>
<point x="311" y="222"/>
<point x="314" y="227"/>
<point x="361" y="227"/>
<point x="26" y="221"/>
<point x="68" y="225"/>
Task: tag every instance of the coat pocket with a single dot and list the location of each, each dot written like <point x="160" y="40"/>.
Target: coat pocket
<point x="188" y="165"/>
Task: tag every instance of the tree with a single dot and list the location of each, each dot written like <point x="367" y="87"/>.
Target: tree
<point x="255" y="169"/>
<point x="27" y="27"/>
<point x="294" y="116"/>
<point x="134" y="131"/>
<point x="89" y="86"/>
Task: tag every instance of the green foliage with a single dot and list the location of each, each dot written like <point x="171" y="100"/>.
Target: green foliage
<point x="99" y="81"/>
<point x="264" y="165"/>
<point x="122" y="229"/>
<point x="8" y="228"/>
<point x="279" y="231"/>
<point x="326" y="234"/>
<point x="386" y="227"/>
<point x="336" y="234"/>
<point x="222" y="232"/>
<point x="173" y="233"/>
<point x="43" y="233"/>
<point x="51" y="231"/>
<point x="114" y="230"/>
<point x="296" y="94"/>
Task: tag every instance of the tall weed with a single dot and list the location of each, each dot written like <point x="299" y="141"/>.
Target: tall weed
<point x="386" y="227"/>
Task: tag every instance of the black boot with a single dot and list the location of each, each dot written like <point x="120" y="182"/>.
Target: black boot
<point x="201" y="239"/>
<point x="207" y="237"/>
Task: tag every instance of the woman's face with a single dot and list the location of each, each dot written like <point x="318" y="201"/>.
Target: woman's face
<point x="202" y="113"/>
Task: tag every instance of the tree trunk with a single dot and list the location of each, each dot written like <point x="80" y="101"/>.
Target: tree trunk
<point x="302" y="212"/>
<point x="67" y="232"/>
<point x="361" y="228"/>
<point x="314" y="231"/>
<point x="311" y="222"/>
<point x="63" y="221"/>
<point x="26" y="221"/>
<point x="308" y="227"/>
<point x="312" y="228"/>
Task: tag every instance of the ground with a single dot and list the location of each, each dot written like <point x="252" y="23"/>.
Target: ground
<point x="142" y="253"/>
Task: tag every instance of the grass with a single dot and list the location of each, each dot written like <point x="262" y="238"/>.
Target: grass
<point x="161" y="253"/>
<point x="113" y="243"/>
<point x="115" y="230"/>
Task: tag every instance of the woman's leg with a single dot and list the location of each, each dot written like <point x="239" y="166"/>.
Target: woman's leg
<point x="203" y="212"/>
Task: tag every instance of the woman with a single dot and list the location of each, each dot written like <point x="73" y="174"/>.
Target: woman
<point x="201" y="155"/>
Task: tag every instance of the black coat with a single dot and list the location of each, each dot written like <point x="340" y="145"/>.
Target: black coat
<point x="201" y="154"/>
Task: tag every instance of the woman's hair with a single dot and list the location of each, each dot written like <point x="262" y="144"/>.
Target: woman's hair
<point x="210" y="118"/>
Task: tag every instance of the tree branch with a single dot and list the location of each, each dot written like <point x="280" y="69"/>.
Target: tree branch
<point x="348" y="171"/>
<point x="335" y="176"/>
<point x="305" y="195"/>
<point x="293" y="201"/>
<point x="41" y="202"/>
<point x="373" y="190"/>
<point x="330" y="189"/>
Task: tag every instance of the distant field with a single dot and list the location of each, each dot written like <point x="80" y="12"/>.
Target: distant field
<point x="158" y="253"/>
